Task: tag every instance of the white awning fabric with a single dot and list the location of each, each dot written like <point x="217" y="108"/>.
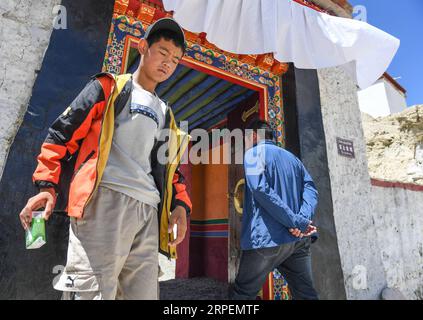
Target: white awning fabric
<point x="293" y="32"/>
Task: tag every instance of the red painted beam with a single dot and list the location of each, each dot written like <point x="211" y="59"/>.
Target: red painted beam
<point x="399" y="185"/>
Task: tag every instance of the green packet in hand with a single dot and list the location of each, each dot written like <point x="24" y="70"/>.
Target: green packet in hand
<point x="36" y="234"/>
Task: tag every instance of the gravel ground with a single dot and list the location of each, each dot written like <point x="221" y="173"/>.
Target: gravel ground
<point x="188" y="289"/>
<point x="193" y="289"/>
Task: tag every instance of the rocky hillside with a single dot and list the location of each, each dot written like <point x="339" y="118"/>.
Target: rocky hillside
<point x="395" y="146"/>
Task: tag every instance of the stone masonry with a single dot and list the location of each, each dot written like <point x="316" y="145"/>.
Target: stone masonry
<point x="25" y="29"/>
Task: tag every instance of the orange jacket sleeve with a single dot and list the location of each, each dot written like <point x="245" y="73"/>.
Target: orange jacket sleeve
<point x="66" y="131"/>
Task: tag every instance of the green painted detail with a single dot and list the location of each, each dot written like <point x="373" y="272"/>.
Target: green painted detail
<point x="209" y="53"/>
<point x="133" y="55"/>
<point x="233" y="97"/>
<point x="196" y="96"/>
<point x="187" y="87"/>
<point x="209" y="98"/>
<point x="214" y="221"/>
<point x="179" y="77"/>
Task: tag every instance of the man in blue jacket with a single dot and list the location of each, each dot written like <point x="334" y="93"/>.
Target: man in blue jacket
<point x="279" y="203"/>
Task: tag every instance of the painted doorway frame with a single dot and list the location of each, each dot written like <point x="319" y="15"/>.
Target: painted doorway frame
<point x="125" y="32"/>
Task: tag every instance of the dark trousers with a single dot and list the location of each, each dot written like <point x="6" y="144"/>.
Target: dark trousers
<point x="293" y="260"/>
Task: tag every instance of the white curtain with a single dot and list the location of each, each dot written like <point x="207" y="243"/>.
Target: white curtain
<point x="293" y="32"/>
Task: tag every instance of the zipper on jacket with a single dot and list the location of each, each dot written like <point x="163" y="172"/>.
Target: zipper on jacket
<point x="99" y="139"/>
<point x="163" y="195"/>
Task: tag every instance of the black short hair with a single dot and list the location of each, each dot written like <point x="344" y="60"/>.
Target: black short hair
<point x="168" y="35"/>
<point x="258" y="124"/>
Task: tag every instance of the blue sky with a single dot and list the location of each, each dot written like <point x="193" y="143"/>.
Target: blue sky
<point x="404" y="20"/>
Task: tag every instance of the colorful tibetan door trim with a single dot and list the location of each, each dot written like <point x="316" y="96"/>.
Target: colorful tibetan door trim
<point x="275" y="288"/>
<point x="209" y="228"/>
<point x="261" y="72"/>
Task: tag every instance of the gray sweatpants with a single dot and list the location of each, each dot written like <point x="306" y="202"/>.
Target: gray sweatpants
<point x="112" y="251"/>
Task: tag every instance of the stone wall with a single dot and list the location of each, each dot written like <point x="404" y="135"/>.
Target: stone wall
<point x="351" y="189"/>
<point x="399" y="225"/>
<point x="25" y="29"/>
<point x="378" y="223"/>
<point x="74" y="53"/>
<point x="305" y="137"/>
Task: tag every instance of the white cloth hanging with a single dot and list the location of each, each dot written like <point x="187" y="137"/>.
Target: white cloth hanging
<point x="293" y="32"/>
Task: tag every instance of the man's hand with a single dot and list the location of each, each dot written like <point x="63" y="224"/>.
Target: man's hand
<point x="296" y="233"/>
<point x="178" y="217"/>
<point x="46" y="198"/>
<point x="309" y="231"/>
